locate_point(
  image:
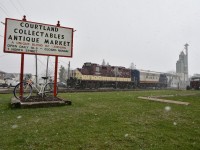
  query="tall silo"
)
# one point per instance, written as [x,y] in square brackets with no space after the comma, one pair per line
[182,67]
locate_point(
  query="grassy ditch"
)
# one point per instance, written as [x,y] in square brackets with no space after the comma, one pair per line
[104,120]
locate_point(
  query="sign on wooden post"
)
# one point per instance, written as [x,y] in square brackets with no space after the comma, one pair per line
[25,37]
[36,38]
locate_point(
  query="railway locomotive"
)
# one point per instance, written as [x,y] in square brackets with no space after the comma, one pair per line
[92,75]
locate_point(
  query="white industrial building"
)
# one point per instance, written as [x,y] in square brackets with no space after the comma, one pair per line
[173,80]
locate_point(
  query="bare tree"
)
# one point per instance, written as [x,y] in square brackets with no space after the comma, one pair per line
[62,74]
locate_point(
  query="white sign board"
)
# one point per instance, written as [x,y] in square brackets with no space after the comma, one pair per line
[37,38]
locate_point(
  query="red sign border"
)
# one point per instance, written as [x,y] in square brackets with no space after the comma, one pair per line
[6,51]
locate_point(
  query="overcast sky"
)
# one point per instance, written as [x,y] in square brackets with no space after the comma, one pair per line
[149,33]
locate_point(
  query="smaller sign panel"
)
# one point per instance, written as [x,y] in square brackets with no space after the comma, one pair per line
[37,38]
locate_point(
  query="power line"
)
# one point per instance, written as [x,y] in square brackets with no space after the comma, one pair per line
[15,7]
[41,62]
[4,11]
[21,6]
[3,6]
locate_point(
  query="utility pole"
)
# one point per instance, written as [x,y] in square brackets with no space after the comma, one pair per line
[47,67]
[36,73]
[68,72]
[186,73]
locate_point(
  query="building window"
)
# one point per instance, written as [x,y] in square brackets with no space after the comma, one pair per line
[97,69]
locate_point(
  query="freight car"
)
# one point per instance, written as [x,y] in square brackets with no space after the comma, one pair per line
[194,83]
[99,76]
[149,79]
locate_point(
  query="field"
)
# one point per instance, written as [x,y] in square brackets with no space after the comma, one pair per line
[104,120]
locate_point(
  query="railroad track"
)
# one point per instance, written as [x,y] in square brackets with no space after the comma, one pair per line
[92,90]
[65,90]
